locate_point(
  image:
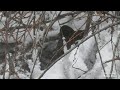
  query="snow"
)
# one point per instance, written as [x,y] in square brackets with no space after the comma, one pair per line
[36,71]
[55,72]
[69,60]
[82,54]
[78,62]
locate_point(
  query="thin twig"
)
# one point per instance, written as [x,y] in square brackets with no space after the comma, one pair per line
[99,54]
[114,52]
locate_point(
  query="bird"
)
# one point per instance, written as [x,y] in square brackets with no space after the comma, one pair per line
[51,47]
[69,33]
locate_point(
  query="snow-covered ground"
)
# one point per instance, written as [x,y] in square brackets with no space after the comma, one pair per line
[83,62]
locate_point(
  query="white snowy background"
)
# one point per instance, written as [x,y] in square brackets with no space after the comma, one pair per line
[74,65]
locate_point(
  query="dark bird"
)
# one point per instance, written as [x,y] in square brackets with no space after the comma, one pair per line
[51,47]
[70,35]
